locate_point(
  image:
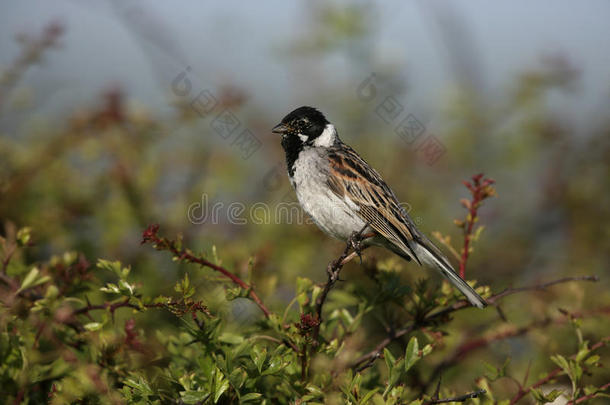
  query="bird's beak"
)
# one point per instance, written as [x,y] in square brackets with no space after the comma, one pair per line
[280,129]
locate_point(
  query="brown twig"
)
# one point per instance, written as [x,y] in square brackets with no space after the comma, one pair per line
[106,305]
[352,249]
[12,284]
[303,356]
[312,324]
[480,189]
[150,235]
[395,334]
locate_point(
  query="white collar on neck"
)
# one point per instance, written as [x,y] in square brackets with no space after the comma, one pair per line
[327,138]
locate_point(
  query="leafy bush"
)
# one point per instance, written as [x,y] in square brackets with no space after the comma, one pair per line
[57,345]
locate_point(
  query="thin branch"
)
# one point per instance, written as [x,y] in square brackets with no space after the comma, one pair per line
[510,291]
[461,398]
[591,395]
[150,236]
[9,282]
[352,249]
[393,335]
[7,259]
[31,53]
[106,305]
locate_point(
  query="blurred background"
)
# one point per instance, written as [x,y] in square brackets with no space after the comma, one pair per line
[118,114]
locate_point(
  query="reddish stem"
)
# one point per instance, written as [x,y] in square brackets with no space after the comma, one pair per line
[480,190]
[150,235]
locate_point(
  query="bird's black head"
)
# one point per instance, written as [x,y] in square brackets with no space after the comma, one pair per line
[304,123]
[304,127]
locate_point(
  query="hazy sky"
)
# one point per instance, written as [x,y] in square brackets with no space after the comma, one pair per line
[244,43]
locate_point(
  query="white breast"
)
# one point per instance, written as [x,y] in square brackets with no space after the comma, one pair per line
[335,216]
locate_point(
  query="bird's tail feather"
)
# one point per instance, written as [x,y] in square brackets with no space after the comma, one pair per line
[434,259]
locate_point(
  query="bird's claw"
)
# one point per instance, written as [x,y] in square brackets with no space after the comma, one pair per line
[355,241]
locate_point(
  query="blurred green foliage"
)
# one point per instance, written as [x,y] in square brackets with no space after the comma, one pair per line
[139,327]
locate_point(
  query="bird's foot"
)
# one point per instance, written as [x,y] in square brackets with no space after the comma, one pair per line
[355,242]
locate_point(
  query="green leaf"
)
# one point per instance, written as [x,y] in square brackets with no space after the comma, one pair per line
[593,360]
[125,286]
[221,387]
[365,399]
[53,292]
[92,326]
[315,293]
[233,293]
[582,352]
[230,338]
[427,349]
[111,289]
[184,287]
[314,390]
[32,279]
[347,318]
[491,371]
[576,372]
[251,396]
[275,365]
[24,236]
[389,359]
[545,398]
[553,395]
[355,381]
[561,362]
[192,397]
[396,373]
[258,357]
[114,267]
[141,386]
[571,368]
[303,285]
[412,353]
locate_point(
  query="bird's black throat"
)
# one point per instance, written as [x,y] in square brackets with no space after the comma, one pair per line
[292,146]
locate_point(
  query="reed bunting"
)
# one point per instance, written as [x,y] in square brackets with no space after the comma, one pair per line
[344,195]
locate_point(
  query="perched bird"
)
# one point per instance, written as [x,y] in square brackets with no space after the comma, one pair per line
[344,195]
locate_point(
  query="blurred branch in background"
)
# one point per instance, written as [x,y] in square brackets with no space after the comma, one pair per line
[32,50]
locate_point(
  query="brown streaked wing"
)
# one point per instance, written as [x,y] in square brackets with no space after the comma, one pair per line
[353,178]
